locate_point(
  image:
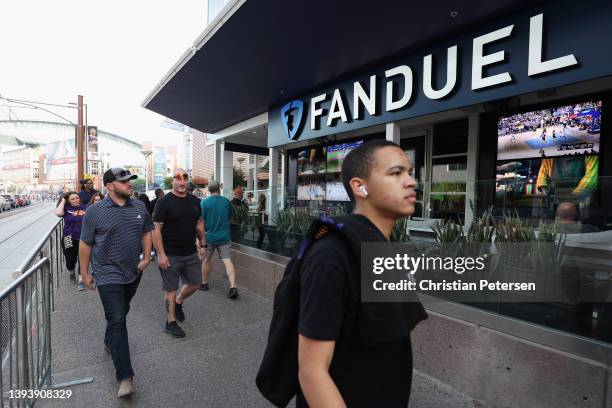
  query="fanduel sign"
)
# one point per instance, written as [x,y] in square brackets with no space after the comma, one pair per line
[538,51]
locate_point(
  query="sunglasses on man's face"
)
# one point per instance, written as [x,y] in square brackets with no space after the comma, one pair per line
[183,176]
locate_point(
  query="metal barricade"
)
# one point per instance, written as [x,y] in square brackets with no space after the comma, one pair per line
[25,316]
[26,345]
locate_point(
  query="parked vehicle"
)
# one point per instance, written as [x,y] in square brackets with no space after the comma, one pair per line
[11,200]
[5,205]
[26,199]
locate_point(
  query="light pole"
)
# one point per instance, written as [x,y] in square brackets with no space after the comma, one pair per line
[146,154]
[81,142]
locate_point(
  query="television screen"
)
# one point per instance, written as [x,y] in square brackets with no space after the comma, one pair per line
[337,153]
[335,191]
[568,130]
[311,161]
[538,186]
[311,191]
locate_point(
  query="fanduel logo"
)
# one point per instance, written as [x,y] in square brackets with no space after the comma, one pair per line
[291,118]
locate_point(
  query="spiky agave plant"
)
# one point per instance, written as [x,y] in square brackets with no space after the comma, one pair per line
[449,231]
[398,233]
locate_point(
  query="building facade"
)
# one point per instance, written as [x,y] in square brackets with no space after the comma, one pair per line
[502,109]
[43,155]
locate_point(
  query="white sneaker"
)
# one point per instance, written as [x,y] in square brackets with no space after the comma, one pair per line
[126,388]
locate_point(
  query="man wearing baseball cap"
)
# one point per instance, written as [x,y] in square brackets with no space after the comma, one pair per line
[114,230]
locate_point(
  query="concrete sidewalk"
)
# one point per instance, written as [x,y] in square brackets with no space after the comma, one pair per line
[214,366]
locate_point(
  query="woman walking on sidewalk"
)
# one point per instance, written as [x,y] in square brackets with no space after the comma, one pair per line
[95,198]
[70,209]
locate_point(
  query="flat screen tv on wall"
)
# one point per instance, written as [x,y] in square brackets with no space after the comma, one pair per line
[567,130]
[335,191]
[337,153]
[313,190]
[548,157]
[311,161]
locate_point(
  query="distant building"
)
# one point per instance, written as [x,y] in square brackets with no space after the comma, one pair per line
[40,155]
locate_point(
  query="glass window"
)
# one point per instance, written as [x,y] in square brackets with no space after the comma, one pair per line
[450,137]
[448,186]
[94,167]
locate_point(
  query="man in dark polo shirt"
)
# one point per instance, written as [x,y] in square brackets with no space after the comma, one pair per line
[177,224]
[113,234]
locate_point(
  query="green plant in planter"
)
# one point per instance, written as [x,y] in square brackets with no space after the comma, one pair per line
[513,229]
[239,222]
[300,221]
[282,221]
[482,228]
[398,233]
[240,214]
[449,231]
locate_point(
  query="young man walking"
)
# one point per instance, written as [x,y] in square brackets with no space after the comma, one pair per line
[216,214]
[349,358]
[177,224]
[113,233]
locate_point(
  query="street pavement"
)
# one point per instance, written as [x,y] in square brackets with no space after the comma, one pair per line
[214,366]
[20,231]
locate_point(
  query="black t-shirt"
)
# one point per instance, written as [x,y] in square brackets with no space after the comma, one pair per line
[367,375]
[180,216]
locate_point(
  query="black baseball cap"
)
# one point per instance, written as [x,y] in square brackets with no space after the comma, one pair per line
[118,174]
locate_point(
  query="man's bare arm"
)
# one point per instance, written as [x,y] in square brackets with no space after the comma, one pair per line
[84,258]
[162,259]
[314,358]
[200,232]
[146,251]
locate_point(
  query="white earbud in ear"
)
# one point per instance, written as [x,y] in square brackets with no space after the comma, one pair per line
[363,190]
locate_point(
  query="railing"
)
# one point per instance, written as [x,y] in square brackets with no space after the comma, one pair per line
[25,313]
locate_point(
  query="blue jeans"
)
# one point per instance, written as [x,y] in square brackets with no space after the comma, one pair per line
[116,302]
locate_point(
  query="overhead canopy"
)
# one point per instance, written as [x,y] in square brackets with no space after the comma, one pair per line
[269,51]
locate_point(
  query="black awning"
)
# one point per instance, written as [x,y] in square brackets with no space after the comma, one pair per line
[271,50]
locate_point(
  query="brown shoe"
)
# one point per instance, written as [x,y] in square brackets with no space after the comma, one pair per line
[126,388]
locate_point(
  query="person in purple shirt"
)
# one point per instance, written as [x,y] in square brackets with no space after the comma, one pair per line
[70,209]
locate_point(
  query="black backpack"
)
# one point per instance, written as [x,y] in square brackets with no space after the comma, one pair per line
[277,378]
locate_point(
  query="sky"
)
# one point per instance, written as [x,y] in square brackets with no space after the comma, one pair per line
[112,52]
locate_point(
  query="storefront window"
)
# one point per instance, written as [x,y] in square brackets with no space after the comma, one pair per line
[447,197]
[448,181]
[546,184]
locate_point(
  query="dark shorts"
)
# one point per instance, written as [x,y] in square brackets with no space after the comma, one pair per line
[185,267]
[223,250]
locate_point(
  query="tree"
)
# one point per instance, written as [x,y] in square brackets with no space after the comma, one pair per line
[168,183]
[239,180]
[139,185]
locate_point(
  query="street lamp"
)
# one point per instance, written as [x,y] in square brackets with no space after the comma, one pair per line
[146,154]
[86,136]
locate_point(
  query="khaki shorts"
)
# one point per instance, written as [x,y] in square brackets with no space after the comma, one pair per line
[223,250]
